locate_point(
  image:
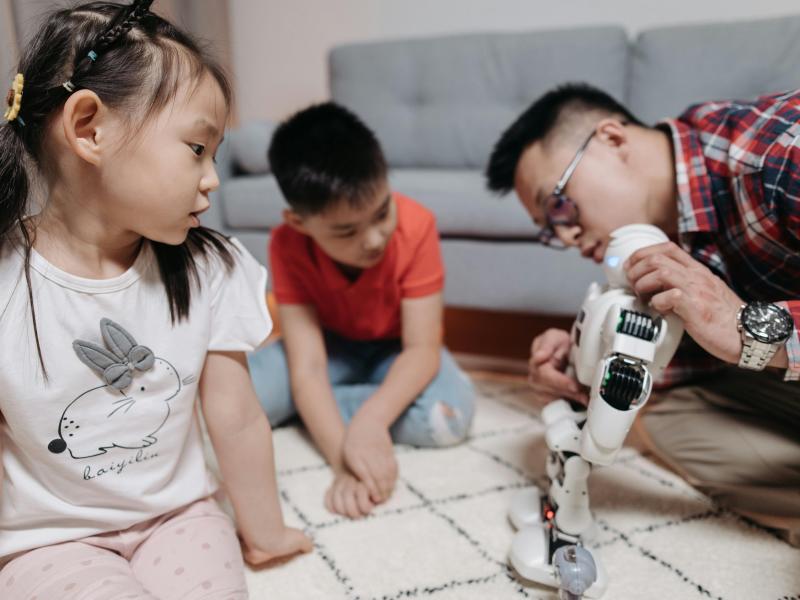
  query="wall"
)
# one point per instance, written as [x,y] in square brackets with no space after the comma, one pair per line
[279,47]
[8,42]
[207,19]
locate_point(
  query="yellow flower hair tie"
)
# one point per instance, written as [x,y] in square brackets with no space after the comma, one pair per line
[14,99]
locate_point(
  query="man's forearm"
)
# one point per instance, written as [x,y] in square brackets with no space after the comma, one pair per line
[317,407]
[412,371]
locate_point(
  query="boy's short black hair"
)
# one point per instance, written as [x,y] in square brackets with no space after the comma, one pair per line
[540,120]
[325,154]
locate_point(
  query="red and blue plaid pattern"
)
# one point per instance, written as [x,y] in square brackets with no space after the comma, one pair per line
[738,175]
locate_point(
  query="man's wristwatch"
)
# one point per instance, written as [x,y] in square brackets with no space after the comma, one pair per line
[765,327]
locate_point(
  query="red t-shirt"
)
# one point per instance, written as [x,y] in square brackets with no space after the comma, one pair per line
[369,307]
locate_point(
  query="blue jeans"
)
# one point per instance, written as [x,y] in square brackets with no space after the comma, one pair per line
[440,415]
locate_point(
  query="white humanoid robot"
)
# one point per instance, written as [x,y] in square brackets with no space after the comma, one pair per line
[618,345]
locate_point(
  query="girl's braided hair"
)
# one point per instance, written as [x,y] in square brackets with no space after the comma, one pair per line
[136,13]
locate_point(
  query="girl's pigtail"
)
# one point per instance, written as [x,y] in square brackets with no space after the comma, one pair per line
[14,187]
[14,183]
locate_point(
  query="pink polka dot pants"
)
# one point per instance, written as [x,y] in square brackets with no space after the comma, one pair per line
[192,553]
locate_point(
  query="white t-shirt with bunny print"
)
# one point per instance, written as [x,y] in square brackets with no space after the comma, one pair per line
[111,437]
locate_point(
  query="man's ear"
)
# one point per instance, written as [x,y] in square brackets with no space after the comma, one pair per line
[612,132]
[294,220]
[84,121]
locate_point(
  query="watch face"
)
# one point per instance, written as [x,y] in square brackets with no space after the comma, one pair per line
[767,322]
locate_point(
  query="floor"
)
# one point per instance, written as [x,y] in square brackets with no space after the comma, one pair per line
[445,534]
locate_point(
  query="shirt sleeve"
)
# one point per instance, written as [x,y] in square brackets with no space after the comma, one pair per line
[782,178]
[287,281]
[786,198]
[240,320]
[793,344]
[425,275]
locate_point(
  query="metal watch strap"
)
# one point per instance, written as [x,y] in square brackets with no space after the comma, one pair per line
[756,355]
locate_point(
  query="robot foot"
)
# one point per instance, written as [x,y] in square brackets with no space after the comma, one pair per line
[573,570]
[526,508]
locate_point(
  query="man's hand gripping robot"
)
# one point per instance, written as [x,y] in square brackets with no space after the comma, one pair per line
[619,345]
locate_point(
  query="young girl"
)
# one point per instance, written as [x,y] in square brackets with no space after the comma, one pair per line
[116,310]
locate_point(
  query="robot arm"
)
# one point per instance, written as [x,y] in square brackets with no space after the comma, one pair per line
[619,345]
[622,381]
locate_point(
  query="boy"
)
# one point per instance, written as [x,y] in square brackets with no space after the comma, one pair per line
[358,278]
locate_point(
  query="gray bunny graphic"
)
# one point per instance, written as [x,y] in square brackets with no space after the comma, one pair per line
[129,409]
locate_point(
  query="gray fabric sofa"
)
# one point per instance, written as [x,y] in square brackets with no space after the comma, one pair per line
[438,105]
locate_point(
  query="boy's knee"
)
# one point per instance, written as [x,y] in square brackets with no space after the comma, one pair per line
[449,425]
[442,415]
[449,421]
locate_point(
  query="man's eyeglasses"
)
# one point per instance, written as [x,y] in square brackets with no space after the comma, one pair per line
[559,209]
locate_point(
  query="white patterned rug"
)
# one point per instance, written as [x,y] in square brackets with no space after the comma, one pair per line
[444,535]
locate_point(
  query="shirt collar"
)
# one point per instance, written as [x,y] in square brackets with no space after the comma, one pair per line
[335,280]
[333,277]
[696,210]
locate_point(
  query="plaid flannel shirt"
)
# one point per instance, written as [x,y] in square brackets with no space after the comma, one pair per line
[738,176]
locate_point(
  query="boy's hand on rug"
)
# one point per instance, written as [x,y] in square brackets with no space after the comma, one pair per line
[289,543]
[368,452]
[348,496]
[547,366]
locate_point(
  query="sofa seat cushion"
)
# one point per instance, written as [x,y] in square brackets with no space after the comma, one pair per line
[462,204]
[459,199]
[252,202]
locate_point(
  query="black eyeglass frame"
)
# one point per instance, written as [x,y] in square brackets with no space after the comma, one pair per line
[547,235]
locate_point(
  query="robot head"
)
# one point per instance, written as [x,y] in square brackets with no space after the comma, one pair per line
[624,242]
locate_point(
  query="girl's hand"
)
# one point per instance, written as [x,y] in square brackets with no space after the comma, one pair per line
[287,544]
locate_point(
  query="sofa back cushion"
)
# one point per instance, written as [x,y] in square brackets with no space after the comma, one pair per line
[674,67]
[443,101]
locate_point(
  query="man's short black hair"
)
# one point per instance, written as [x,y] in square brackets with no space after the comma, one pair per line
[540,120]
[325,154]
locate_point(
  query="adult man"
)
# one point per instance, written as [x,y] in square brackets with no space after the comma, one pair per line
[723,181]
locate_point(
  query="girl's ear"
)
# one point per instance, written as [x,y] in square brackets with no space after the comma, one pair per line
[85,121]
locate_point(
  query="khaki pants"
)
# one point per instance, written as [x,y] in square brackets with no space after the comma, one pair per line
[735,437]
